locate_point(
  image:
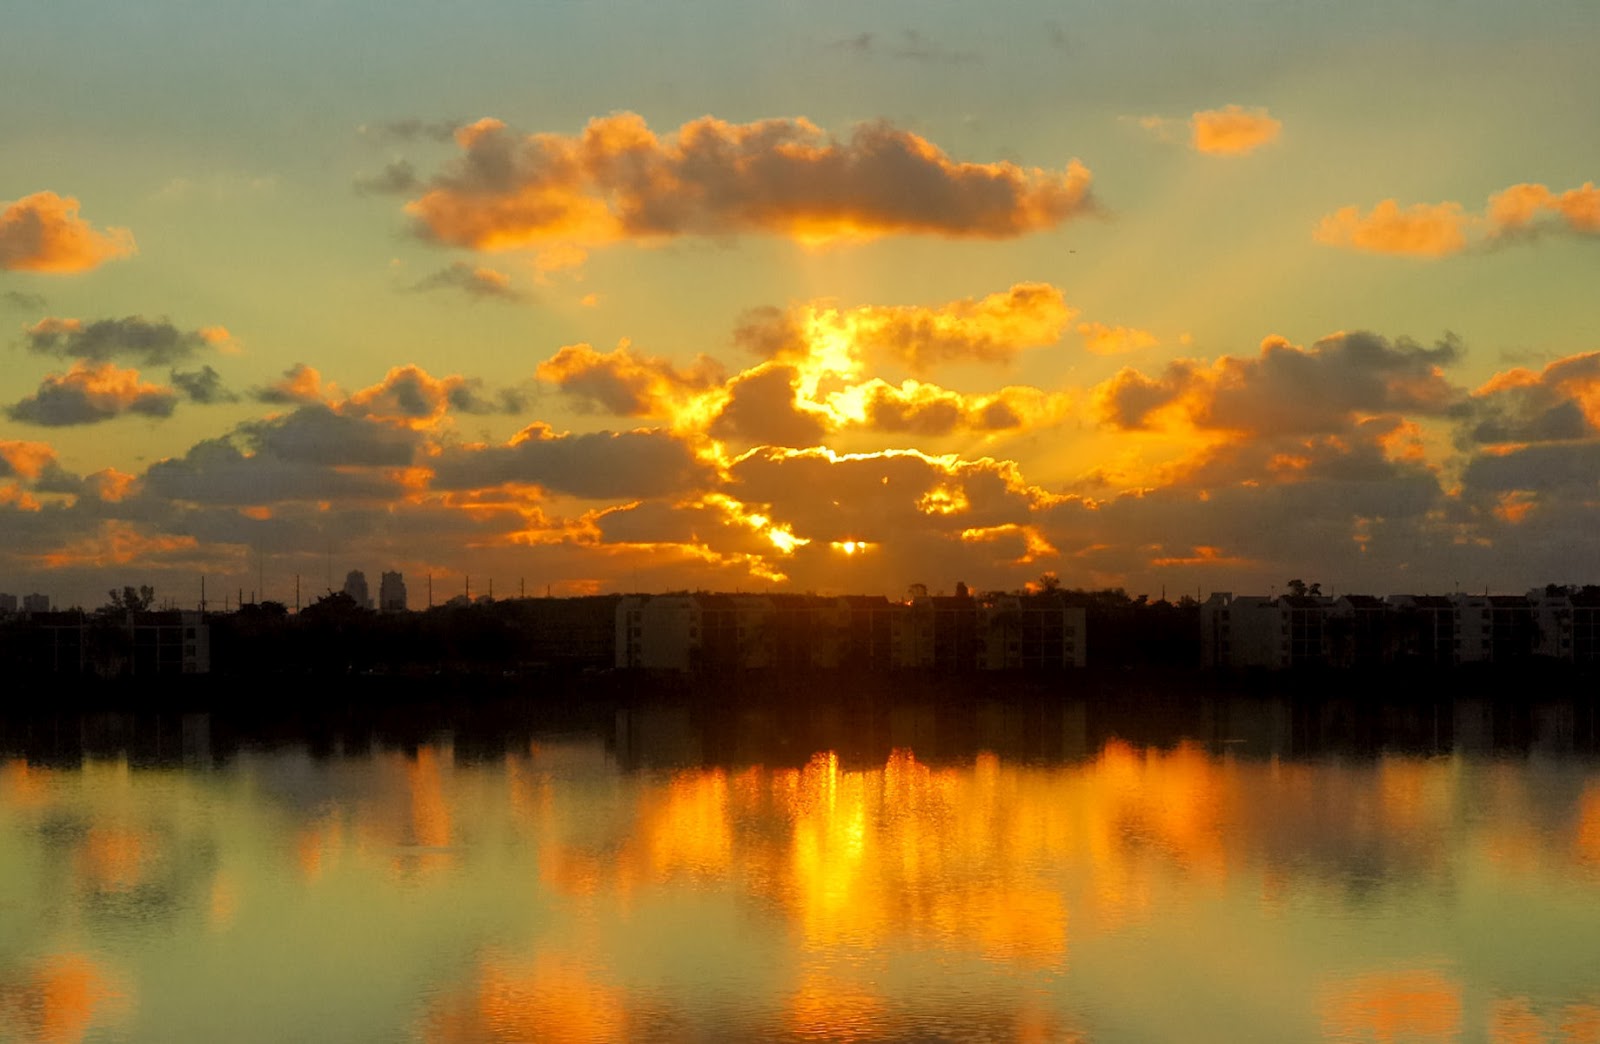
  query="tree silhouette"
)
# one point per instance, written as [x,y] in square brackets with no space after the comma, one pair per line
[130,599]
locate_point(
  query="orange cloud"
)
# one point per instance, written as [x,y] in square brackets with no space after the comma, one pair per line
[1559,403]
[1421,230]
[619,180]
[43,233]
[407,395]
[25,459]
[1232,130]
[299,384]
[116,543]
[1112,340]
[1518,207]
[1201,555]
[990,329]
[1438,229]
[91,392]
[626,383]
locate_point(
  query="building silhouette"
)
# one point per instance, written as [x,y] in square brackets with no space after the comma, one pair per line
[392,593]
[355,585]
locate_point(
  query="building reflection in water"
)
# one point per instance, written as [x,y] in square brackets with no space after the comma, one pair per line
[1269,870]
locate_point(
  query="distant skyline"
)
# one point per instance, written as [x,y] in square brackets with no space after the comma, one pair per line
[841,298]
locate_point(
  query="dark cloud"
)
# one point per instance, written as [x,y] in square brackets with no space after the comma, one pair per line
[90,393]
[762,411]
[410,129]
[1559,403]
[601,465]
[472,280]
[1287,389]
[909,45]
[469,397]
[300,384]
[619,180]
[315,434]
[216,471]
[147,342]
[395,178]
[625,383]
[22,301]
[202,386]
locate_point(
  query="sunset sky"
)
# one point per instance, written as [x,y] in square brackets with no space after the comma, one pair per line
[834,297]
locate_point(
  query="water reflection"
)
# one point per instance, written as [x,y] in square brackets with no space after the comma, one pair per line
[1246,869]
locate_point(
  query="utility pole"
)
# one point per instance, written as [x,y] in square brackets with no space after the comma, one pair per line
[430,590]
[297,594]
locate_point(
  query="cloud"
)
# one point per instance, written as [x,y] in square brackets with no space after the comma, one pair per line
[395,179]
[202,386]
[1560,403]
[300,384]
[26,460]
[991,329]
[472,280]
[1287,389]
[1232,130]
[762,409]
[1421,230]
[625,383]
[600,465]
[1521,211]
[150,343]
[410,129]
[618,180]
[1529,207]
[43,233]
[318,435]
[89,393]
[287,464]
[910,45]
[22,301]
[1114,340]
[411,396]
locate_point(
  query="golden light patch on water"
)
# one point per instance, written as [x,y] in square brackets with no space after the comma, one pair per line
[1413,1005]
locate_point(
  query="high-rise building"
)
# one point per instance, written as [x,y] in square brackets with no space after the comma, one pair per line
[36,603]
[392,593]
[8,603]
[355,585]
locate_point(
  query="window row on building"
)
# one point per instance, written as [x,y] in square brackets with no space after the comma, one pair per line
[689,632]
[1434,630]
[108,645]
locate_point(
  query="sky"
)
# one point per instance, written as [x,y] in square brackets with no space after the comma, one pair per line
[593,297]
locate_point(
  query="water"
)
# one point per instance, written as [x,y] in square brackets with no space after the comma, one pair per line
[1214,870]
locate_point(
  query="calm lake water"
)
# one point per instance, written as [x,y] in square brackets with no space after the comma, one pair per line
[1201,870]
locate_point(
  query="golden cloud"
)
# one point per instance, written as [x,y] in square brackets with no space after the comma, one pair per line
[1232,130]
[1520,206]
[43,233]
[990,329]
[25,459]
[1421,230]
[116,543]
[91,392]
[619,180]
[1438,229]
[1114,340]
[628,384]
